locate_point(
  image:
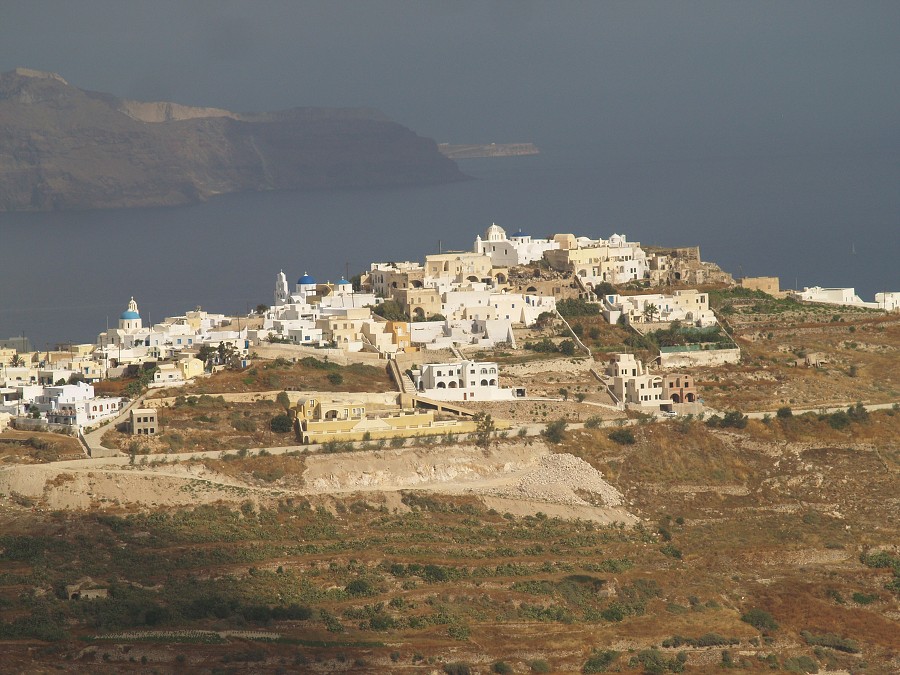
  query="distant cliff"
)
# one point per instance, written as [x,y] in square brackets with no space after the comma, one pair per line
[488,150]
[65,148]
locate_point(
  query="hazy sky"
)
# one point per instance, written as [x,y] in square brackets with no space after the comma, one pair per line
[714,76]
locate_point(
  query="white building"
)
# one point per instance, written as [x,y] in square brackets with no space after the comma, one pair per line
[519,249]
[462,381]
[889,302]
[615,260]
[831,296]
[630,385]
[690,307]
[76,405]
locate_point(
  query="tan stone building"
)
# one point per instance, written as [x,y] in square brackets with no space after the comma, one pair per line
[768,285]
[679,388]
[318,421]
[464,266]
[144,421]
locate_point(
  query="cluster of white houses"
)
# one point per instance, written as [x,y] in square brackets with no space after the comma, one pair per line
[689,307]
[452,299]
[888,302]
[56,388]
[64,405]
[465,297]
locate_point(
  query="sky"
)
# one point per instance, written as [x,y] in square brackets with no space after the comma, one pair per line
[706,77]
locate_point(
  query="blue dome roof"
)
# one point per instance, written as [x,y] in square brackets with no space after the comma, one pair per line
[344,282]
[305,279]
[521,234]
[129,315]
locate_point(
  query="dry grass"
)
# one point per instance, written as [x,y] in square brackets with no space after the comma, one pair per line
[280,470]
[211,424]
[29,447]
[303,375]
[862,353]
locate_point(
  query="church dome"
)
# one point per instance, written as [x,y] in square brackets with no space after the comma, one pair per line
[520,235]
[495,233]
[130,314]
[344,282]
[305,280]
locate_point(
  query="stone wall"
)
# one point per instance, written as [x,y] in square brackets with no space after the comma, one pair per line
[709,357]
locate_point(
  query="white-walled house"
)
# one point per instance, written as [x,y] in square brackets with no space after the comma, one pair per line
[519,249]
[889,302]
[615,260]
[831,296]
[76,405]
[687,306]
[462,381]
[630,385]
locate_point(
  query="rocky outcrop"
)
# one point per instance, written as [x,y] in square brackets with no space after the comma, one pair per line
[65,148]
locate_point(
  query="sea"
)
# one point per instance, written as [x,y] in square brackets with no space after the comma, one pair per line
[810,218]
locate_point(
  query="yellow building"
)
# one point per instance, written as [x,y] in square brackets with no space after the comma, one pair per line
[420,303]
[317,421]
[190,368]
[459,266]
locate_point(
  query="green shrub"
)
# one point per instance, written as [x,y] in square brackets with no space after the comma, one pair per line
[457,669]
[502,668]
[243,424]
[593,422]
[335,379]
[600,661]
[555,432]
[830,640]
[760,619]
[577,307]
[800,664]
[622,437]
[733,419]
[544,346]
[839,420]
[858,413]
[784,412]
[360,587]
[281,424]
[539,666]
[671,550]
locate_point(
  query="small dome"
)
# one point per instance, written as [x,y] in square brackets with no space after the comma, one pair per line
[495,233]
[305,280]
[344,282]
[131,313]
[520,234]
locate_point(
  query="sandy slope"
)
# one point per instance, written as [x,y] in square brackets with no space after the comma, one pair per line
[513,477]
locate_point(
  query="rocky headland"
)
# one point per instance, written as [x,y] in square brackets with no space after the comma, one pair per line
[62,147]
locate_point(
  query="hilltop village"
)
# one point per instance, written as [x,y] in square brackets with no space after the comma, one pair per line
[440,320]
[561,454]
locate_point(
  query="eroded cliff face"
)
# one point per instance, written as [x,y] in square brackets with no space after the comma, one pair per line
[65,148]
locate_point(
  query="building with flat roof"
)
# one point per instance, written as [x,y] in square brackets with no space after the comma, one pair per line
[144,422]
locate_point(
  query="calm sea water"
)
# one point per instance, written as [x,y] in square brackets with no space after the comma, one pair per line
[812,219]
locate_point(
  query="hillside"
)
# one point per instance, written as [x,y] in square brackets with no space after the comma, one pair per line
[66,148]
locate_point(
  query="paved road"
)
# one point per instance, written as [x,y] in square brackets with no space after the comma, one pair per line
[531,430]
[824,410]
[93,438]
